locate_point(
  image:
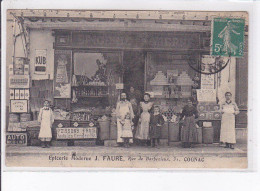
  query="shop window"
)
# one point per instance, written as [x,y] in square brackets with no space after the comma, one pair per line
[170,80]
[94,81]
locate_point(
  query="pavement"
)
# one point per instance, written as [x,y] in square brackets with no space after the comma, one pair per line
[174,156]
[200,149]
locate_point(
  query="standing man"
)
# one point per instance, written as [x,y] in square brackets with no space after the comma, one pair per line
[123,107]
[228,131]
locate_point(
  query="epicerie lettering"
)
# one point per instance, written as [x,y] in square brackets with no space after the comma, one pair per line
[57,158]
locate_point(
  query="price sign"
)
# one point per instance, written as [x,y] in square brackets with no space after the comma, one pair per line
[19,106]
[77,133]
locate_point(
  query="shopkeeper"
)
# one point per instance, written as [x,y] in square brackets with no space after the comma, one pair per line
[229,110]
[122,108]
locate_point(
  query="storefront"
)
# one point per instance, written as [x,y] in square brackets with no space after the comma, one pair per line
[83,70]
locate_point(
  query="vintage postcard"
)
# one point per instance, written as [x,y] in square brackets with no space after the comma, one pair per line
[126,89]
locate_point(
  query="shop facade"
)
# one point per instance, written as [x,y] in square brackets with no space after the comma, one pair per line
[82,64]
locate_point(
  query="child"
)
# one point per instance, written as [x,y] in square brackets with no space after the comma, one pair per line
[46,118]
[127,133]
[156,123]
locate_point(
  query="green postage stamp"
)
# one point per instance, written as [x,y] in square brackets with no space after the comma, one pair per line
[228,37]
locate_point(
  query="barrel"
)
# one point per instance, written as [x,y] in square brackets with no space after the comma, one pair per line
[174,134]
[25,117]
[113,130]
[104,126]
[207,135]
[13,118]
[165,130]
[199,134]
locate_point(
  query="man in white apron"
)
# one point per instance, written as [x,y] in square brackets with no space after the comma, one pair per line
[123,107]
[228,132]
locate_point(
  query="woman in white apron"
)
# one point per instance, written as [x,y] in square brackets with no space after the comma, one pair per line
[228,131]
[46,118]
[123,107]
[142,132]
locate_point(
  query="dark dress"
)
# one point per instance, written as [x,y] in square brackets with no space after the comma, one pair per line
[189,131]
[155,130]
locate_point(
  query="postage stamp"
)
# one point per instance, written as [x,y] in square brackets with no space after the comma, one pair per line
[126,89]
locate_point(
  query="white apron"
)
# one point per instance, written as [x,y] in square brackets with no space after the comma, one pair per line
[46,120]
[228,131]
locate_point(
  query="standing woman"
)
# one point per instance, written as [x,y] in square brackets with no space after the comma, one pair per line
[189,132]
[229,110]
[142,132]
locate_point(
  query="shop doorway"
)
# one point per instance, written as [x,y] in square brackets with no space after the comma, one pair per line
[134,64]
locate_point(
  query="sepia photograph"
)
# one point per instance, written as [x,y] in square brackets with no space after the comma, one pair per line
[117,89]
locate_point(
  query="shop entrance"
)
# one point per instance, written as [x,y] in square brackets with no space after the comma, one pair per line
[134,62]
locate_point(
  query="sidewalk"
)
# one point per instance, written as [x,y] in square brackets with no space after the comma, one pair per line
[199,150]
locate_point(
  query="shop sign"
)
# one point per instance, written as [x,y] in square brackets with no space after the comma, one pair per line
[16,139]
[19,81]
[40,65]
[77,133]
[227,37]
[18,106]
[206,95]
[119,86]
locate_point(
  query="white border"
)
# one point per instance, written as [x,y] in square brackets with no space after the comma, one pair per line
[213,179]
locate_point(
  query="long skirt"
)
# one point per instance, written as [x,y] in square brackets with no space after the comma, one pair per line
[228,131]
[189,131]
[142,132]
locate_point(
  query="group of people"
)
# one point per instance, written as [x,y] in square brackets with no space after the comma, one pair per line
[143,121]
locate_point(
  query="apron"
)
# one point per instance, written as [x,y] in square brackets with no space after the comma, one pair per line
[228,131]
[142,132]
[45,131]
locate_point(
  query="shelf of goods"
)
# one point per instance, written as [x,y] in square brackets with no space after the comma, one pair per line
[178,87]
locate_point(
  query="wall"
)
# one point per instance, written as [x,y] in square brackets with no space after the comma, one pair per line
[39,39]
[228,81]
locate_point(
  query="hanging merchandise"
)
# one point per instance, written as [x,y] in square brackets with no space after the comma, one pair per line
[62,76]
[11,93]
[19,65]
[16,94]
[26,94]
[62,71]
